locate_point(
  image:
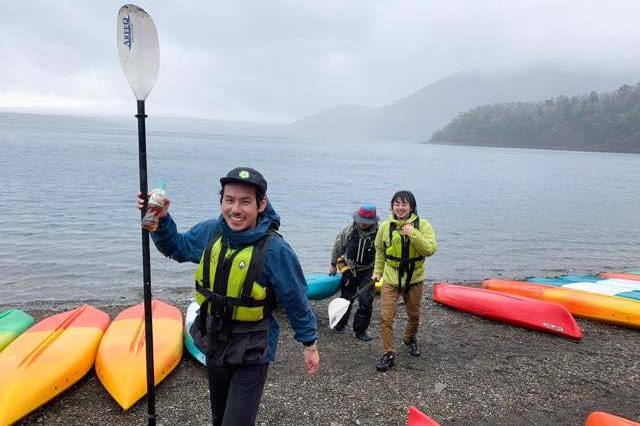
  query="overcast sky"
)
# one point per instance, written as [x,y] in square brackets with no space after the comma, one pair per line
[270,60]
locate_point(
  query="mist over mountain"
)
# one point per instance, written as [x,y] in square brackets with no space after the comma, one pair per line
[417,116]
[413,118]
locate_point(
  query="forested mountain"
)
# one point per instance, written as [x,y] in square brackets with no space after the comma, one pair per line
[593,122]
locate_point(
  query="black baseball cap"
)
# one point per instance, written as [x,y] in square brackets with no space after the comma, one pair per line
[245,175]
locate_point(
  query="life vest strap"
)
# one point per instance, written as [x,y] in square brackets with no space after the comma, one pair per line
[405,263]
[243,301]
[255,271]
[411,259]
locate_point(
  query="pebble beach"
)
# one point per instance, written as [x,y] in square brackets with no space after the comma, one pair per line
[472,372]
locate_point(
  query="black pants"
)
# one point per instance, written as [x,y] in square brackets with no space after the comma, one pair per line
[235,393]
[349,286]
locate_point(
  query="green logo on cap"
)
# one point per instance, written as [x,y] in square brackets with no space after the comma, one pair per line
[244,174]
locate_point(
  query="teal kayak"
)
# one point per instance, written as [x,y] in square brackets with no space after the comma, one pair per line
[321,286]
[192,312]
[12,323]
[592,284]
[564,279]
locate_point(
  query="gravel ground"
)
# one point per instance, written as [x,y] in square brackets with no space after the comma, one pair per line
[472,371]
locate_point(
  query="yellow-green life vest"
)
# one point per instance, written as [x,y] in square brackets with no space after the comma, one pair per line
[401,254]
[233,278]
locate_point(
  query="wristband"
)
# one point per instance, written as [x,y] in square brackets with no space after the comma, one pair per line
[311,348]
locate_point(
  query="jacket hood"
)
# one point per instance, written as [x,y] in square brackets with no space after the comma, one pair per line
[400,222]
[269,219]
[365,232]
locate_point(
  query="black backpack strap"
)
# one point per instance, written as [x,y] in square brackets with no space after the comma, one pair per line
[412,260]
[406,264]
[253,274]
[205,287]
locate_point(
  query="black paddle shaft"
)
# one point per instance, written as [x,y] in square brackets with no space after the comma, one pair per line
[362,290]
[146,266]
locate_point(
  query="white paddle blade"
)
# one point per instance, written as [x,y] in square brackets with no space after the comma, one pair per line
[337,308]
[138,49]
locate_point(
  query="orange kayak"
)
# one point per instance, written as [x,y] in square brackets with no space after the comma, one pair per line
[47,359]
[121,360]
[598,418]
[621,275]
[597,307]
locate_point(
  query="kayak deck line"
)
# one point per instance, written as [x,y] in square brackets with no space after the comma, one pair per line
[60,328]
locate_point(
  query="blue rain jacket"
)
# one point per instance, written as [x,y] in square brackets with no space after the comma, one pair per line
[281,271]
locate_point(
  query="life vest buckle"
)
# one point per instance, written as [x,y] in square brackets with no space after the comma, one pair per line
[220,305]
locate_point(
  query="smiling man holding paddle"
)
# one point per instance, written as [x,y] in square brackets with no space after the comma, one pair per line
[244,269]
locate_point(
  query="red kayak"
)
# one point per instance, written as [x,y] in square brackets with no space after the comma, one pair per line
[516,310]
[418,418]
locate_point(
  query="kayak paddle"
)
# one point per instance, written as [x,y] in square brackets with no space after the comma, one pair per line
[339,306]
[139,54]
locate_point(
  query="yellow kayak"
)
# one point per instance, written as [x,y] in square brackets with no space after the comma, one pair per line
[597,307]
[47,359]
[121,360]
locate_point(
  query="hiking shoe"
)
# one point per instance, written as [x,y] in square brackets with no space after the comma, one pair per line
[363,335]
[414,347]
[387,361]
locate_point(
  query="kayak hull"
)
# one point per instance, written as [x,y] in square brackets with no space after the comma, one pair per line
[599,418]
[520,311]
[621,275]
[563,279]
[48,359]
[321,286]
[12,324]
[628,289]
[418,418]
[192,312]
[608,289]
[121,360]
[609,309]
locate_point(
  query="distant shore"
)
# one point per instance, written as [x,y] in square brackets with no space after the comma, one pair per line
[472,371]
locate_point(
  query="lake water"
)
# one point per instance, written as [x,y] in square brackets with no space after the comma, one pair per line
[70,230]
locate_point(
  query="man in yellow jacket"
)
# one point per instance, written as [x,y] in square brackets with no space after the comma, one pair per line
[402,243]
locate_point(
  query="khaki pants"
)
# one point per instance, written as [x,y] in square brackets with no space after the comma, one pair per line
[388,299]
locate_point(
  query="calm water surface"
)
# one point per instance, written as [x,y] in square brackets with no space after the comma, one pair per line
[69,227]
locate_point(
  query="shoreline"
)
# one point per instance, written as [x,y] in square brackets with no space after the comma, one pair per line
[472,371]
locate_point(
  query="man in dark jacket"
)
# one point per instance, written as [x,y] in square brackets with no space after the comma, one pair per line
[245,269]
[354,254]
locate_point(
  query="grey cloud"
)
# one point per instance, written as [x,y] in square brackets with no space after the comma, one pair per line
[281,60]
